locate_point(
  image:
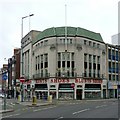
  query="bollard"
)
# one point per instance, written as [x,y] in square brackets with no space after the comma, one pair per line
[19,98]
[34,101]
[50,98]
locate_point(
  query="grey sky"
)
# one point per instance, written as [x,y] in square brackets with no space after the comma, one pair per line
[95,15]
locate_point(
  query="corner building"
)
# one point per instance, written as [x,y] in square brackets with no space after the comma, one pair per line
[69,63]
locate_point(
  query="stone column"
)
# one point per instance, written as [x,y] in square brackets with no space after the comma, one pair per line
[101,91]
[56,91]
[83,91]
[75,92]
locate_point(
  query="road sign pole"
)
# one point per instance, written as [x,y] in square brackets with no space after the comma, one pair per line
[4,95]
[22,92]
[22,79]
[4,78]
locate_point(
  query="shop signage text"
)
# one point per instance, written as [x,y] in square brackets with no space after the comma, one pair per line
[59,81]
[79,80]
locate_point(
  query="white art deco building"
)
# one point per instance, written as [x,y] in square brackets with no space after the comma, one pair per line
[65,62]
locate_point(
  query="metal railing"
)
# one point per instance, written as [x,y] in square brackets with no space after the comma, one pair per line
[69,75]
[93,75]
[66,74]
[41,75]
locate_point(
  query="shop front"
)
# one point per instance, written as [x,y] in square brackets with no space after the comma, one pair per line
[78,88]
[112,89]
[92,91]
[41,91]
[66,91]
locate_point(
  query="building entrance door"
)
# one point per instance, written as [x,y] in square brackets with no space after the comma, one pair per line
[115,93]
[104,93]
[79,94]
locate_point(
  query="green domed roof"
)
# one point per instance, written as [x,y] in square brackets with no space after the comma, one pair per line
[71,32]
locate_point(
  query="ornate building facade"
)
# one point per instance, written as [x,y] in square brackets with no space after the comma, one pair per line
[65,62]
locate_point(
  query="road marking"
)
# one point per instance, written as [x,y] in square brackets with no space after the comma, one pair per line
[59,118]
[80,111]
[16,114]
[100,106]
[44,109]
[37,110]
[7,116]
[10,115]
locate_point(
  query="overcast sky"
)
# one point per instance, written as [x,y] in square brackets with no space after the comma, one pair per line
[96,15]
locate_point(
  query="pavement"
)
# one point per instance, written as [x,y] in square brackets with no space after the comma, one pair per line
[43,103]
[28,104]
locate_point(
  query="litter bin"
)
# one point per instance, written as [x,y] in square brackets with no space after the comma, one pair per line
[34,100]
[50,98]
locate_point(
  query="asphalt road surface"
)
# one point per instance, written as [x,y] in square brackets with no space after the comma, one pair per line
[69,109]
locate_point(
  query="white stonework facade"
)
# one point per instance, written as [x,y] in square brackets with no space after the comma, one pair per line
[66,67]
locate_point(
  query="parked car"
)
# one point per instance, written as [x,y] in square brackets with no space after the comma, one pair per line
[2,95]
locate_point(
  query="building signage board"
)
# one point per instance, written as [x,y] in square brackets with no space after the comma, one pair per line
[41,81]
[112,85]
[77,80]
[80,80]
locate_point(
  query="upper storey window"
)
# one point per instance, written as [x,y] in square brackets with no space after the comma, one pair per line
[98,45]
[46,42]
[85,42]
[42,43]
[90,43]
[71,41]
[63,41]
[94,44]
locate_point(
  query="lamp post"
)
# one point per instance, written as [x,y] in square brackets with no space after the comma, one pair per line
[22,63]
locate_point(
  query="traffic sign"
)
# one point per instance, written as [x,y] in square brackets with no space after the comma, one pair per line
[4,77]
[22,79]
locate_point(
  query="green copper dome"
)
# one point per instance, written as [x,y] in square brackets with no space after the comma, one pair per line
[71,32]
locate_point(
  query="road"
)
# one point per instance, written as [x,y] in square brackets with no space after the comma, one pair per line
[69,109]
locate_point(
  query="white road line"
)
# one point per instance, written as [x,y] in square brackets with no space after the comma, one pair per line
[80,111]
[16,114]
[7,116]
[44,108]
[100,106]
[10,115]
[37,110]
[59,118]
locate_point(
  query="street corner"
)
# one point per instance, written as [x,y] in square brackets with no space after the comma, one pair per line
[6,111]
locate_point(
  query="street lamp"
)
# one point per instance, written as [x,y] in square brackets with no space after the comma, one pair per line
[22,74]
[22,24]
